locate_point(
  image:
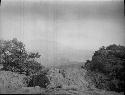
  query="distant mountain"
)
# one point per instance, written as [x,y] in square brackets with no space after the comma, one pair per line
[74,64]
[54,53]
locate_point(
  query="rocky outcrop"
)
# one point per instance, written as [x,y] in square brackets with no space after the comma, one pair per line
[10,81]
[72,81]
[70,78]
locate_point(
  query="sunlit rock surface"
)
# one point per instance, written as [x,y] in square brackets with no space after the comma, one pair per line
[71,78]
[10,81]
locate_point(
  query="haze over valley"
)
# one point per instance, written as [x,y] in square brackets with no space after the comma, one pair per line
[63,31]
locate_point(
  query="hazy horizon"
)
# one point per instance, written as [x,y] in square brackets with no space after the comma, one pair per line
[69,30]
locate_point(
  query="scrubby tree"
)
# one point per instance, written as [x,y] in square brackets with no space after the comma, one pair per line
[109,62]
[15,58]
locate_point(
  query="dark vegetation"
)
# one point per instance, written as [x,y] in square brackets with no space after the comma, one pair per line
[15,58]
[106,69]
[39,80]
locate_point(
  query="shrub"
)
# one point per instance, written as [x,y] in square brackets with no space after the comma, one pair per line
[39,80]
[15,58]
[108,62]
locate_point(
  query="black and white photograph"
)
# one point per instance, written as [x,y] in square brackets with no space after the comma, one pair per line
[69,47]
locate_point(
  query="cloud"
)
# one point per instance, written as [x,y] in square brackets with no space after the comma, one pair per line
[65,10]
[80,25]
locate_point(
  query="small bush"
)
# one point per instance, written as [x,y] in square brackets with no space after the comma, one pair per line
[39,80]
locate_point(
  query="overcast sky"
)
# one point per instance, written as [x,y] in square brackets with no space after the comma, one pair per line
[77,24]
